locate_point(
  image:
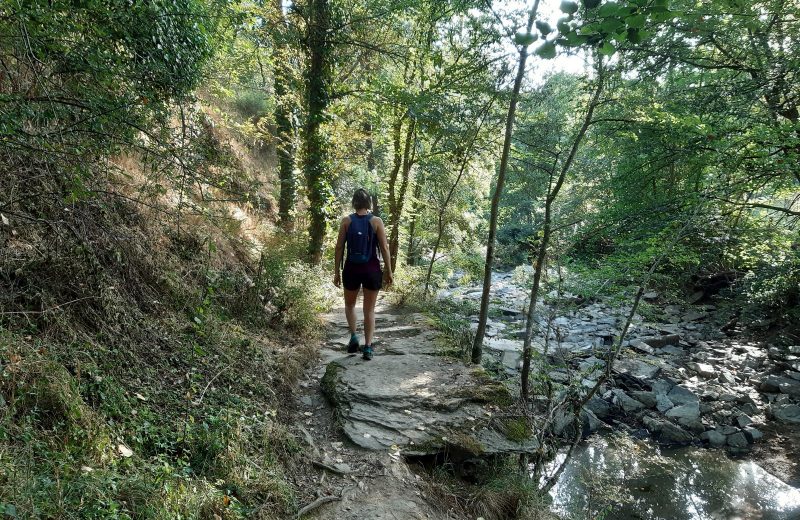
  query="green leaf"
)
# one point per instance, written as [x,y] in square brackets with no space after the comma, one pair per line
[612,25]
[636,22]
[563,26]
[610,9]
[569,7]
[525,39]
[544,27]
[547,50]
[591,4]
[607,49]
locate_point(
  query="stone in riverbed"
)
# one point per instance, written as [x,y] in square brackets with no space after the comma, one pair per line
[787,413]
[636,369]
[600,407]
[661,341]
[744,420]
[703,369]
[752,434]
[645,397]
[785,385]
[737,440]
[685,412]
[681,395]
[714,438]
[666,432]
[663,403]
[626,402]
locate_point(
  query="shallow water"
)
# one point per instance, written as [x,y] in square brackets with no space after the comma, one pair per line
[616,477]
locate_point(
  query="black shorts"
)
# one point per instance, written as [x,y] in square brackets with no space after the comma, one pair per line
[371,281]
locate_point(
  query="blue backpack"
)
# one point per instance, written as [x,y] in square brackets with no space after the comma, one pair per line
[360,241]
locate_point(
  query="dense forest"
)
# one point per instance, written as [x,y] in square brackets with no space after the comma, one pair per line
[174,174]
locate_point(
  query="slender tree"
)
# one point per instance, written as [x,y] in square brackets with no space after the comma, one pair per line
[526,40]
[557,177]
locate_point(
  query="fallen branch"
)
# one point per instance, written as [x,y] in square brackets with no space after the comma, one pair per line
[327,467]
[316,503]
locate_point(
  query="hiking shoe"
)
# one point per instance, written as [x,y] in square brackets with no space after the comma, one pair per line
[367,352]
[352,347]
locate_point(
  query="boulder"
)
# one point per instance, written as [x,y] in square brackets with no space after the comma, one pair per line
[666,432]
[752,434]
[714,438]
[626,402]
[600,407]
[663,403]
[787,413]
[645,397]
[662,386]
[744,420]
[685,412]
[661,341]
[738,440]
[779,384]
[681,395]
[636,369]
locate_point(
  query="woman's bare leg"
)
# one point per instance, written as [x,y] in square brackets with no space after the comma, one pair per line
[350,298]
[370,297]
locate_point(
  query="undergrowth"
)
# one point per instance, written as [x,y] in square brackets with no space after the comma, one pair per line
[145,362]
[498,491]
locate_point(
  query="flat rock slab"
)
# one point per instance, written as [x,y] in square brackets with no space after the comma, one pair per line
[637,369]
[418,402]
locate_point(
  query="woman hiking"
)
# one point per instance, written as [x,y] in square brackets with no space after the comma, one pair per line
[363,233]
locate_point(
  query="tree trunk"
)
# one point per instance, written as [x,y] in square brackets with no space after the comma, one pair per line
[541,256]
[286,149]
[369,148]
[477,347]
[412,252]
[318,79]
[403,161]
[284,128]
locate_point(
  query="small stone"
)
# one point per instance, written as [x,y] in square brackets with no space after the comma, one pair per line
[704,369]
[737,440]
[651,295]
[753,434]
[744,420]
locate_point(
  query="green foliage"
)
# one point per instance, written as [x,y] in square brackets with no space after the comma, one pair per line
[99,70]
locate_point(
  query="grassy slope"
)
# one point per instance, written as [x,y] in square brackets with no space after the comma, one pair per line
[143,357]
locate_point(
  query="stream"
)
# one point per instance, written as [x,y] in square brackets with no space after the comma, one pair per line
[633,479]
[681,419]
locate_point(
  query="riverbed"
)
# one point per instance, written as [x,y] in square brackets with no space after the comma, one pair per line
[617,477]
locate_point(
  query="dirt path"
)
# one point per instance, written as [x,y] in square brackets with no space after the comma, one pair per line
[349,481]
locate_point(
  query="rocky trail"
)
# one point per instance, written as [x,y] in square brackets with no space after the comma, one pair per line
[679,381]
[351,481]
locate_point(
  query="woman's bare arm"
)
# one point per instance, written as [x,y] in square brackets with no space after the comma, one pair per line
[340,251]
[380,231]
